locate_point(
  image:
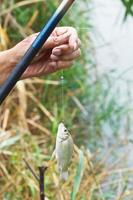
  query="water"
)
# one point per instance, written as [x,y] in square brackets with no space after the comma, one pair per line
[112,37]
[113,42]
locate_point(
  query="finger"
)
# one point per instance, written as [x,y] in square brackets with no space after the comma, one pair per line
[57,51]
[52,42]
[79,42]
[64,36]
[71,56]
[61,30]
[62,49]
[56,41]
[54,66]
[73,40]
[54,58]
[64,64]
[70,46]
[67,57]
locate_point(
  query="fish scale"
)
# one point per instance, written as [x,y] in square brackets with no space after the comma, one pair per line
[63,151]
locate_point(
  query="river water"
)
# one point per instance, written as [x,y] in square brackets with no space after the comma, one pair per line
[113,43]
[112,38]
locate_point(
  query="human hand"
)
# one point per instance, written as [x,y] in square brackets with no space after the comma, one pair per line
[59,52]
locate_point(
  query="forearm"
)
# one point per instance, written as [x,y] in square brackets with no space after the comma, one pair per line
[6,63]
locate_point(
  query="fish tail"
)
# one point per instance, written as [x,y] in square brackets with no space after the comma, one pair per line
[64,176]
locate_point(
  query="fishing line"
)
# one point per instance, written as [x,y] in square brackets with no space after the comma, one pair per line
[62,96]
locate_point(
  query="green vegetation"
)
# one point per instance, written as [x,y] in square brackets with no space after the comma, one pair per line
[30,116]
[128,4]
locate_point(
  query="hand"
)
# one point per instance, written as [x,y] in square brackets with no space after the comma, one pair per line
[59,52]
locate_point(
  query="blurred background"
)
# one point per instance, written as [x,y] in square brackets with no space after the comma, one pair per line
[97,104]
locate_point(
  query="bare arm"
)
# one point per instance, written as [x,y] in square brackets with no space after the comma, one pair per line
[6,62]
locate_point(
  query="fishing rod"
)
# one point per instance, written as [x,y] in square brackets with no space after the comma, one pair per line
[37,44]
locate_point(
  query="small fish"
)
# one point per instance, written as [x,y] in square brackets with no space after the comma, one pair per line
[63,151]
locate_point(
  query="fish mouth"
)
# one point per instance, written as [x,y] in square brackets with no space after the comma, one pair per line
[64,137]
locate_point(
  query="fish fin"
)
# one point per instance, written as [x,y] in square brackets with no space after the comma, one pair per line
[64,176]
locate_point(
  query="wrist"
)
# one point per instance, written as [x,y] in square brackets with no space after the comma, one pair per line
[7,61]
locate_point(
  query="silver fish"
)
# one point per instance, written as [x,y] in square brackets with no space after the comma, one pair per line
[63,151]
